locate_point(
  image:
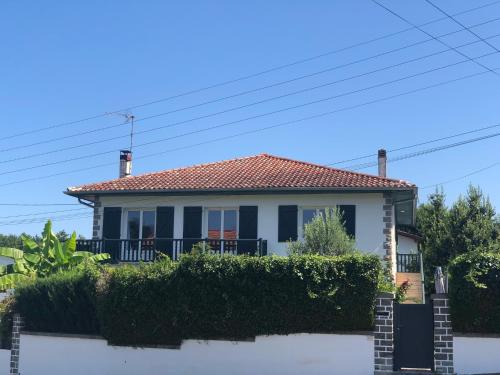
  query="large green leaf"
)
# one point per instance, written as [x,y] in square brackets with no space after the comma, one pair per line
[59,253]
[12,253]
[100,257]
[32,258]
[11,280]
[70,245]
[29,245]
[20,267]
[3,269]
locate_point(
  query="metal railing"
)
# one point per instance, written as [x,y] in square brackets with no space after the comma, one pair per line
[147,250]
[408,263]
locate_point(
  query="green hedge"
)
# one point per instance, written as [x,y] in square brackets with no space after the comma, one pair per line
[204,297]
[474,291]
[64,302]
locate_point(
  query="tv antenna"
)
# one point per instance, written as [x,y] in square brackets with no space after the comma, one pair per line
[129,118]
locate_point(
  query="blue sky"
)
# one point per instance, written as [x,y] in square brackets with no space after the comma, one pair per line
[64,61]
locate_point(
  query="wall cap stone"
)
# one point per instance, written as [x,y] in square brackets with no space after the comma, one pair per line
[386,295]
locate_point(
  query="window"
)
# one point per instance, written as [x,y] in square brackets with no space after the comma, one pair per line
[140,224]
[222,224]
[348,213]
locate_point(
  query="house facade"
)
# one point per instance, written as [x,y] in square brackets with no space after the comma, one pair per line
[246,205]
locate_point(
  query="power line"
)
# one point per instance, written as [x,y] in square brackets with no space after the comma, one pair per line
[227,123]
[435,38]
[50,140]
[462,177]
[42,213]
[427,151]
[462,25]
[260,129]
[418,144]
[246,77]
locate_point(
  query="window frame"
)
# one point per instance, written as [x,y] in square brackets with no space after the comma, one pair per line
[222,209]
[124,231]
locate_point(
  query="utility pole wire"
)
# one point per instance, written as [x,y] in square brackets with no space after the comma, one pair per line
[260,129]
[435,38]
[242,78]
[462,25]
[276,84]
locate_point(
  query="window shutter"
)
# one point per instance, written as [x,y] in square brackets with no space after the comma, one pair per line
[111,230]
[191,227]
[287,223]
[248,229]
[348,212]
[164,229]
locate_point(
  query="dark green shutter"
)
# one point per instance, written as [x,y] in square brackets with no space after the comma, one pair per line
[248,229]
[287,223]
[111,228]
[192,226]
[348,212]
[164,229]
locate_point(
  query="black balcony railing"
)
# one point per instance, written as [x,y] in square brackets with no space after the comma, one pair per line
[125,250]
[408,263]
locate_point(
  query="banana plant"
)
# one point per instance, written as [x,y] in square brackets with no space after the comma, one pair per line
[44,258]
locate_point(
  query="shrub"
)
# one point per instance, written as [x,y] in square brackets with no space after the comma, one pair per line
[474,290]
[6,315]
[205,296]
[325,235]
[63,302]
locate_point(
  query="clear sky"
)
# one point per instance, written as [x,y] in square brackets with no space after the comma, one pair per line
[65,61]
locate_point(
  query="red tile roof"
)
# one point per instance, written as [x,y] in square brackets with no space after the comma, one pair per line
[259,172]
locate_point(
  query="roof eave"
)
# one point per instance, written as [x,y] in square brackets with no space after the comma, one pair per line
[76,193]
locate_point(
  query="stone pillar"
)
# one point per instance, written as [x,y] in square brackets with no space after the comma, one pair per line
[443,335]
[17,324]
[96,228]
[389,233]
[384,334]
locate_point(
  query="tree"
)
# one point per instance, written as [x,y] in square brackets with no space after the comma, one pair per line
[325,235]
[472,223]
[433,223]
[42,258]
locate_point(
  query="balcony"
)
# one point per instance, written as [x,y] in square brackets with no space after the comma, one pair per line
[147,250]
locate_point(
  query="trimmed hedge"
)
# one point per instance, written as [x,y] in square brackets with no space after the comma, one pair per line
[207,297]
[474,291]
[64,302]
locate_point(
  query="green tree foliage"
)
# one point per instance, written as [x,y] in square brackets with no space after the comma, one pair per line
[40,259]
[468,226]
[324,235]
[472,223]
[433,224]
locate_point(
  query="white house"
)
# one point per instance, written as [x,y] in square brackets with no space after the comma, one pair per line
[253,204]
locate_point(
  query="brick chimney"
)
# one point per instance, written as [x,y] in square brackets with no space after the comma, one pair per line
[382,163]
[125,163]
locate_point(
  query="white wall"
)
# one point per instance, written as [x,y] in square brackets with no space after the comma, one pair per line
[476,355]
[369,213]
[294,354]
[4,361]
[407,245]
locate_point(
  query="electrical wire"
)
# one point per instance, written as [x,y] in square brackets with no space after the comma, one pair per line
[245,77]
[86,132]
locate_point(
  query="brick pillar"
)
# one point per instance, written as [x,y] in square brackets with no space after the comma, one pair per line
[443,335]
[389,233]
[17,324]
[384,335]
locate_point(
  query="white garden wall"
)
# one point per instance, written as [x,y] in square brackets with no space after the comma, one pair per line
[300,354]
[369,212]
[476,355]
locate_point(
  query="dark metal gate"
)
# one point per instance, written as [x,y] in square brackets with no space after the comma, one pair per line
[413,337]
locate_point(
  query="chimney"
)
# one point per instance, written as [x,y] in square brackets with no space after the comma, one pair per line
[125,163]
[382,163]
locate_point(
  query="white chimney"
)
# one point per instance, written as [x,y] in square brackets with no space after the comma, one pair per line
[125,163]
[382,163]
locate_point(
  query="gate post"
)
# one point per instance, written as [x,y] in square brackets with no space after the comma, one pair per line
[384,334]
[17,324]
[443,335]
